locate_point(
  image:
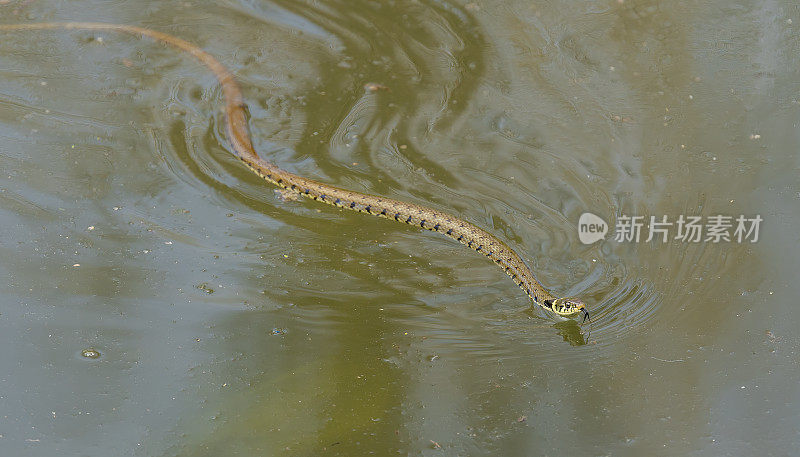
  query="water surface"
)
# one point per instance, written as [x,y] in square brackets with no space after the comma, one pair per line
[231,321]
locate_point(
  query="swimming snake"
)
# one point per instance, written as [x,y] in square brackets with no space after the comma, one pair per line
[238,134]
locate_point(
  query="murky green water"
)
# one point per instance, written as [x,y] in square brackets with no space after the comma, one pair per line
[160,299]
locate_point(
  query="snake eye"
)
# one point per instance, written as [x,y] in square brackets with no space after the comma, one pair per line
[569,307]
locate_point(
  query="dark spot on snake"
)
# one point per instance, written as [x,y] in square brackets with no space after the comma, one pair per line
[307,191]
[397,216]
[322,197]
[383,213]
[460,237]
[293,187]
[352,204]
[436,227]
[549,303]
[408,221]
[450,232]
[422,223]
[368,208]
[338,200]
[469,245]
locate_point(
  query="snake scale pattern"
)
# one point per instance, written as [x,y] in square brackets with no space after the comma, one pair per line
[238,134]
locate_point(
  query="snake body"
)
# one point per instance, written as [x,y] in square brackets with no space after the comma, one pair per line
[238,134]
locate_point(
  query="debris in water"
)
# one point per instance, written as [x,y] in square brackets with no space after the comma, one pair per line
[90,353]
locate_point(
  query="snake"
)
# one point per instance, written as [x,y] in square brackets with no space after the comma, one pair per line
[238,134]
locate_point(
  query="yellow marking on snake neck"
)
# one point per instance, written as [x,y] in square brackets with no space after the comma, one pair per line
[239,136]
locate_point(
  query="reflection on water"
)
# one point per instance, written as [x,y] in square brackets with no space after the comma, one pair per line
[131,232]
[571,332]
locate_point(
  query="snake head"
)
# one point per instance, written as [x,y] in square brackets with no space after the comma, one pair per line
[568,307]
